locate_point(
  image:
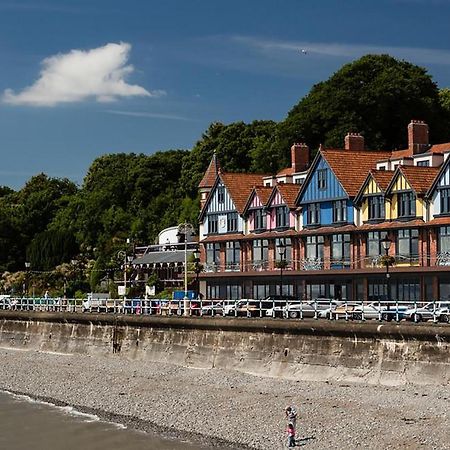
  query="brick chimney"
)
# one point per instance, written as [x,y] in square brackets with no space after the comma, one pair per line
[418,136]
[354,141]
[299,157]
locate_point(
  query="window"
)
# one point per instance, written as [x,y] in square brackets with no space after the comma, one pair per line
[376,207]
[377,290]
[213,220]
[313,214]
[232,222]
[233,254]
[213,253]
[314,247]
[374,246]
[299,181]
[322,179]
[406,204]
[282,216]
[260,218]
[425,163]
[288,254]
[340,211]
[408,244]
[406,290]
[444,239]
[260,250]
[234,291]
[213,291]
[340,250]
[221,194]
[445,201]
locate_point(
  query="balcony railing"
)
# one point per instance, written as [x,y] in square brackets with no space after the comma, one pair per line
[316,264]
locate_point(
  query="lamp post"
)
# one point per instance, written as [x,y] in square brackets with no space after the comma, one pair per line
[197,268]
[386,243]
[185,229]
[27,276]
[282,252]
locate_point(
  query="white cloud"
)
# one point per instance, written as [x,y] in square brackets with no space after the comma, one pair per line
[79,75]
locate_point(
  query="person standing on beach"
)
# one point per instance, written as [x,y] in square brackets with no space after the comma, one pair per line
[291,415]
[291,435]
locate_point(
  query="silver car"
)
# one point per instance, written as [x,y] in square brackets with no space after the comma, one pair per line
[427,312]
[311,308]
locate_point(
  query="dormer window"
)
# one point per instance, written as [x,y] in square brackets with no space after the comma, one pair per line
[376,207]
[282,216]
[424,163]
[406,204]
[260,218]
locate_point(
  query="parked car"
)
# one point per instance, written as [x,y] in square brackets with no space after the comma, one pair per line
[394,312]
[370,311]
[249,308]
[343,310]
[311,308]
[215,309]
[443,314]
[276,304]
[427,312]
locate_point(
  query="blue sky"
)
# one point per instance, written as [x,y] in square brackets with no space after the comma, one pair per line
[83,78]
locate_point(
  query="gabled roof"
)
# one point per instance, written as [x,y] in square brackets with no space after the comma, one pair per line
[419,178]
[351,167]
[209,178]
[288,192]
[240,185]
[381,177]
[263,192]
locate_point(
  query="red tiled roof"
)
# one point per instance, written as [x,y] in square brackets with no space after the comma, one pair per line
[382,177]
[287,171]
[351,167]
[289,192]
[209,178]
[440,148]
[263,192]
[272,234]
[240,185]
[420,178]
[398,154]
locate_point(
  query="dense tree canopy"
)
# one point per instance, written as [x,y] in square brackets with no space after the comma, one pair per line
[376,95]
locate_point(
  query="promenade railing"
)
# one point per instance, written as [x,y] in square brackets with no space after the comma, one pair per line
[319,308]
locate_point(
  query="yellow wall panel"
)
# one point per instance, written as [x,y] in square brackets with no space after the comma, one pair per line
[365,210]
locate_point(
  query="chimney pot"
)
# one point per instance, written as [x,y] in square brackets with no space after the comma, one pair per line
[354,141]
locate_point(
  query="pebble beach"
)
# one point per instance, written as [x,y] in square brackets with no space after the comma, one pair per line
[230,410]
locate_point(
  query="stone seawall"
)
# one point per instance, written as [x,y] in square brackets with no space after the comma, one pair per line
[374,353]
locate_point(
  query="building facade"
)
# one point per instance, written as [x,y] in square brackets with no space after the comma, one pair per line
[315,229]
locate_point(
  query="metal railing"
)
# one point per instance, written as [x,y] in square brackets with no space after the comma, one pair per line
[320,308]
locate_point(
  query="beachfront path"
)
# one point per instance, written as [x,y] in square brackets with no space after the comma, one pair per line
[239,408]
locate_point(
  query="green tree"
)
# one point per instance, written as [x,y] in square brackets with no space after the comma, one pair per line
[376,95]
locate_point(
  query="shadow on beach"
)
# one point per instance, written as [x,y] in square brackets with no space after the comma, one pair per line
[304,441]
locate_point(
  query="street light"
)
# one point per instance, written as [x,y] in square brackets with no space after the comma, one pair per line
[198,269]
[282,252]
[185,229]
[27,268]
[386,243]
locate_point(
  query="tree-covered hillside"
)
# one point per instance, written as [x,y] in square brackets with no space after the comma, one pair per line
[135,195]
